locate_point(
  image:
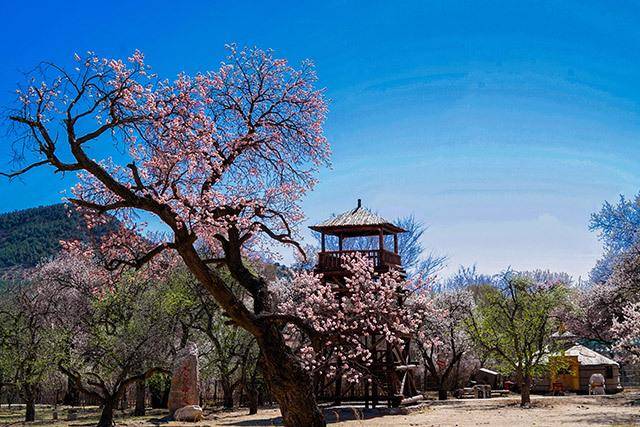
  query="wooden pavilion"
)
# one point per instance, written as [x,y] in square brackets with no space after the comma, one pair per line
[392,368]
[357,223]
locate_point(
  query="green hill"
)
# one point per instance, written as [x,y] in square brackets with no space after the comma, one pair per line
[29,235]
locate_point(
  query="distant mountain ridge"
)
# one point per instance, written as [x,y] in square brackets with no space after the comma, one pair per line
[31,235]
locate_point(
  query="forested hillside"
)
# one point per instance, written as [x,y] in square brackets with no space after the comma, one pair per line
[29,235]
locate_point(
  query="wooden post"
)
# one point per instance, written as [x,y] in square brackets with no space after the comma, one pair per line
[366,393]
[381,240]
[340,243]
[395,244]
[322,234]
[338,395]
[374,385]
[374,394]
[366,381]
[389,370]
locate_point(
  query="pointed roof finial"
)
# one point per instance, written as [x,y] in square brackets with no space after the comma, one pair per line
[356,220]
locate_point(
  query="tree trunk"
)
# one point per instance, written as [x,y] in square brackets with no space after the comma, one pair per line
[227,395]
[442,393]
[106,417]
[30,400]
[141,397]
[525,392]
[159,391]
[425,377]
[72,396]
[290,384]
[338,396]
[252,399]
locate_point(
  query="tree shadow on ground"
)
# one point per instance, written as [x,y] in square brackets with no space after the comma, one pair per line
[332,415]
[607,419]
[497,406]
[160,421]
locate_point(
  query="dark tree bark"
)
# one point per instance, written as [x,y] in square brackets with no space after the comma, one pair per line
[252,397]
[289,383]
[123,402]
[30,401]
[227,395]
[440,375]
[442,392]
[109,398]
[253,403]
[525,391]
[72,396]
[160,393]
[141,397]
[106,417]
[338,396]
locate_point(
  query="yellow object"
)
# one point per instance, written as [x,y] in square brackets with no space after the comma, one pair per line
[568,374]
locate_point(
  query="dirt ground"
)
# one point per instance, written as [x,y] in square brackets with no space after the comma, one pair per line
[619,410]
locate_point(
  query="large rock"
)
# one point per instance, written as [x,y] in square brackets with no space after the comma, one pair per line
[597,384]
[191,413]
[184,383]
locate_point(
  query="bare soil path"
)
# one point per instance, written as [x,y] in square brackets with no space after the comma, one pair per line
[619,410]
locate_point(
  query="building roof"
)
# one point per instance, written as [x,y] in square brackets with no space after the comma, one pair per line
[488,371]
[566,335]
[586,356]
[357,220]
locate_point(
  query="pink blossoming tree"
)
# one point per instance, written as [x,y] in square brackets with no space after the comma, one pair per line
[441,338]
[332,323]
[222,158]
[116,330]
[601,311]
[627,333]
[619,306]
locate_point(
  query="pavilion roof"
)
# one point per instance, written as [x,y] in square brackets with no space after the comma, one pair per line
[355,220]
[586,356]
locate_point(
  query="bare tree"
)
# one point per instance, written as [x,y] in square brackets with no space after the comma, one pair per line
[442,340]
[29,344]
[116,330]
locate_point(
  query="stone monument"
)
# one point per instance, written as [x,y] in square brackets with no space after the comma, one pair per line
[185,385]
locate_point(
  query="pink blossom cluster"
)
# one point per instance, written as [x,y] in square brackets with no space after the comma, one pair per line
[340,320]
[440,336]
[627,333]
[235,148]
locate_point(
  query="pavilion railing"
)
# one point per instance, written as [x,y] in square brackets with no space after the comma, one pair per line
[334,260]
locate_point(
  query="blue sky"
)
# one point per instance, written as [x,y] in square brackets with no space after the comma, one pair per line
[501,125]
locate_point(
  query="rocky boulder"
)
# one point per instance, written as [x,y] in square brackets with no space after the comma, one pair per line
[191,413]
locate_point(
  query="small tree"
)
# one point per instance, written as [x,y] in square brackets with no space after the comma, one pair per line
[598,307]
[627,333]
[618,227]
[442,340]
[29,345]
[624,305]
[116,329]
[513,322]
